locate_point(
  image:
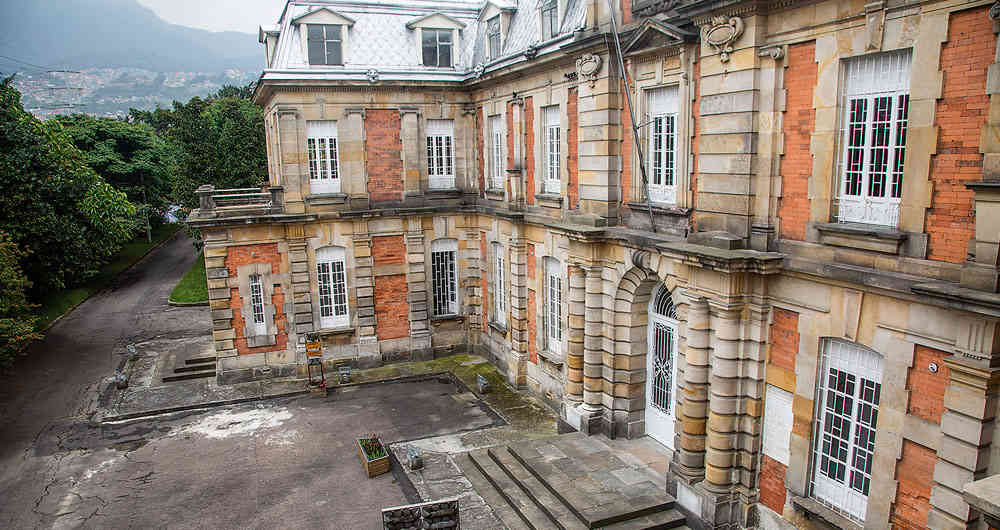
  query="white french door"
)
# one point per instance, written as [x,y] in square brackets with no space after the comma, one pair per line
[661,369]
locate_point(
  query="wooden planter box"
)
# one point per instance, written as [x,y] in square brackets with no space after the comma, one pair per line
[374,467]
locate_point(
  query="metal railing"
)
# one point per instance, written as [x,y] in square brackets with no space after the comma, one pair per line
[240,201]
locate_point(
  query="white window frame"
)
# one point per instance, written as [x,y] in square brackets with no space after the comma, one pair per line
[553,306]
[441,154]
[497,161]
[662,109]
[326,44]
[875,101]
[553,149]
[494,42]
[438,32]
[499,285]
[258,317]
[324,157]
[331,284]
[846,415]
[444,277]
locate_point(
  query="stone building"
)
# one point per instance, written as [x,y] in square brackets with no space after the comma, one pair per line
[772,246]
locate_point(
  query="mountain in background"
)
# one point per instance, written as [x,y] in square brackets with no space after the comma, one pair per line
[118,54]
[82,34]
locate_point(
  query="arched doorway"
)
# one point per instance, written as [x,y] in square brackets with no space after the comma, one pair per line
[661,367]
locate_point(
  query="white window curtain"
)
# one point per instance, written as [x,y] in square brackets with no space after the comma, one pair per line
[331,274]
[324,163]
[876,100]
[444,276]
[553,150]
[257,305]
[499,286]
[553,301]
[441,154]
[848,391]
[662,105]
[497,164]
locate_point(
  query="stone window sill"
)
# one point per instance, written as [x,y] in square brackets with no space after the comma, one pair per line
[552,357]
[320,199]
[815,509]
[499,328]
[549,200]
[861,236]
[442,318]
[660,208]
[495,194]
[443,193]
[325,332]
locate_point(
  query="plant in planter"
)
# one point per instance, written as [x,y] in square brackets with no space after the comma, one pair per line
[373,455]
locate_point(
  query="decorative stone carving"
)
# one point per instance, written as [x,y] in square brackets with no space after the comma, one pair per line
[588,67]
[532,51]
[640,258]
[479,70]
[721,33]
[774,52]
[372,76]
[647,8]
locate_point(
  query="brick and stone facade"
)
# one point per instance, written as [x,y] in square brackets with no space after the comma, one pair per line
[770,288]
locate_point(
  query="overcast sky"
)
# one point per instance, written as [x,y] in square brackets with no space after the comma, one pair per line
[218,15]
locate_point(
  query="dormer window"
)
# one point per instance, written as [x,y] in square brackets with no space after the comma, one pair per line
[550,19]
[437,46]
[493,36]
[325,44]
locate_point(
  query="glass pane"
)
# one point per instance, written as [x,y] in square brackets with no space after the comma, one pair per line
[314,32]
[429,43]
[445,58]
[317,54]
[333,53]
[332,32]
[444,36]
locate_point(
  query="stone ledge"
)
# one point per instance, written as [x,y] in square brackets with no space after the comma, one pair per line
[321,199]
[554,358]
[324,332]
[494,194]
[861,236]
[984,495]
[444,193]
[443,318]
[549,200]
[498,328]
[660,209]
[961,297]
[816,509]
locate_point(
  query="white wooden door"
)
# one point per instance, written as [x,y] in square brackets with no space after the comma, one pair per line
[661,369]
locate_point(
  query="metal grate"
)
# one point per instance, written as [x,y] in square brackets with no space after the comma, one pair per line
[663,303]
[848,393]
[257,304]
[441,154]
[553,150]
[444,277]
[324,164]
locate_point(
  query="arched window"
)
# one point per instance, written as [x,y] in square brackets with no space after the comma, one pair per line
[663,303]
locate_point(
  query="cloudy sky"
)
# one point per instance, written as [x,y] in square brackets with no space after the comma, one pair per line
[218,15]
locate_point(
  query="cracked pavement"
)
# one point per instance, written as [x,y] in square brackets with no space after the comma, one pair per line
[288,462]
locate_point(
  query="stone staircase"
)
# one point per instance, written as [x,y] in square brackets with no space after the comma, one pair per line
[194,368]
[568,482]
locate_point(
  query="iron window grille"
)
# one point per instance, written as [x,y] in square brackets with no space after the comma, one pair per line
[437,46]
[325,44]
[444,277]
[663,349]
[324,162]
[257,304]
[848,391]
[441,154]
[493,36]
[662,105]
[876,101]
[332,282]
[553,150]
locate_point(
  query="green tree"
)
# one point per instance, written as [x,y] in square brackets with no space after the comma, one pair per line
[17,322]
[130,156]
[67,219]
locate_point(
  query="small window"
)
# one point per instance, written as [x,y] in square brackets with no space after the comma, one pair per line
[553,301]
[437,47]
[257,305]
[444,276]
[550,20]
[493,36]
[441,154]
[325,44]
[332,282]
[553,150]
[662,105]
[876,101]
[324,170]
[497,159]
[499,286]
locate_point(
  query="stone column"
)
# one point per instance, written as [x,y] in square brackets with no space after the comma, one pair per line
[364,283]
[294,160]
[412,167]
[516,361]
[689,459]
[593,352]
[575,336]
[767,180]
[301,299]
[724,399]
[351,150]
[599,150]
[416,285]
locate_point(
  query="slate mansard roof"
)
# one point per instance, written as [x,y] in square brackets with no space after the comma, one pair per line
[379,38]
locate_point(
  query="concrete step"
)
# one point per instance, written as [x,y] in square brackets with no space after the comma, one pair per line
[556,510]
[200,360]
[669,519]
[489,494]
[195,368]
[185,377]
[516,498]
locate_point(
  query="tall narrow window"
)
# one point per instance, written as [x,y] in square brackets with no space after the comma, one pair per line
[550,19]
[553,302]
[848,391]
[441,154]
[662,106]
[499,286]
[876,101]
[325,44]
[493,36]
[553,150]
[257,305]
[496,149]
[332,282]
[444,276]
[437,47]
[324,165]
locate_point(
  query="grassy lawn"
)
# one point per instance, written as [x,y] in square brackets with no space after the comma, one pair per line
[193,287]
[57,304]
